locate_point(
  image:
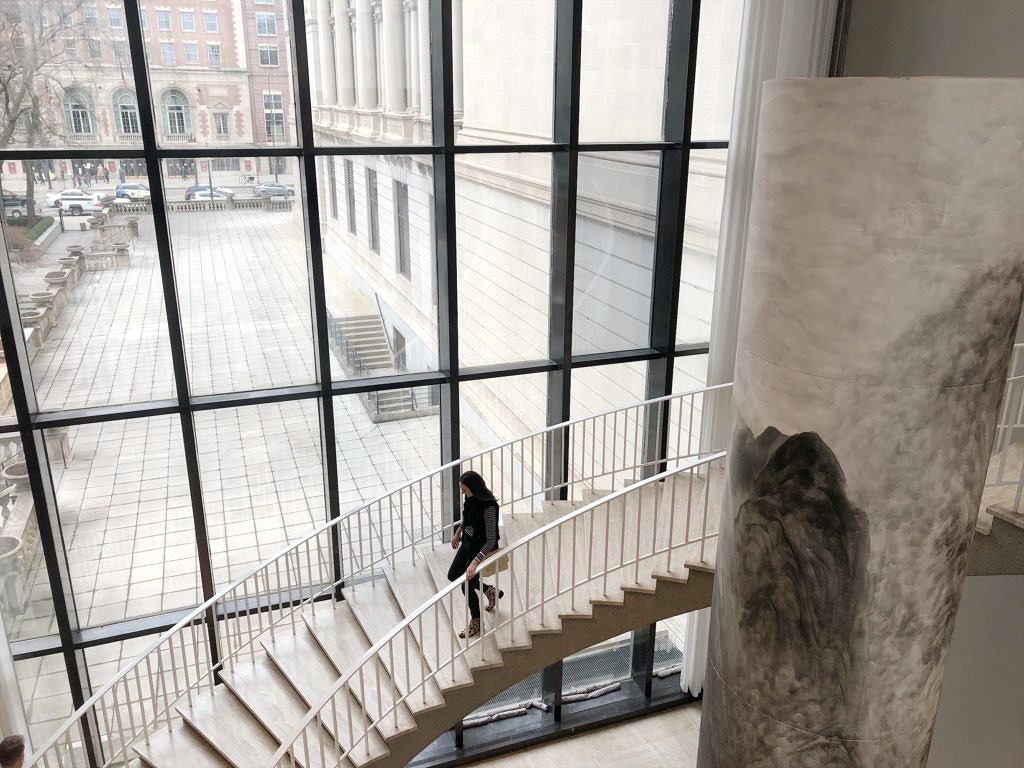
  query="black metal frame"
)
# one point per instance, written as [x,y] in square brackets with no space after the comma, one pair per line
[564,149]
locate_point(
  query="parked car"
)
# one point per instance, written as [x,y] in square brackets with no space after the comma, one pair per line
[13,210]
[272,189]
[207,195]
[132,190]
[13,199]
[70,195]
[195,189]
[93,203]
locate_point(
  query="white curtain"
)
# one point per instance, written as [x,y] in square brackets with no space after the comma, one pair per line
[780,39]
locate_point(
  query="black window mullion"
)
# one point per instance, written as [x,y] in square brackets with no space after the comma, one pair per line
[680,75]
[442,114]
[176,339]
[317,284]
[51,536]
[564,171]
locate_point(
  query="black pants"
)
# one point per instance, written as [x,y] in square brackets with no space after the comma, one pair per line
[467,551]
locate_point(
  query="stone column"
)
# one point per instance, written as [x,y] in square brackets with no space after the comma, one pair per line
[458,92]
[325,52]
[423,28]
[412,56]
[882,289]
[366,56]
[344,66]
[395,94]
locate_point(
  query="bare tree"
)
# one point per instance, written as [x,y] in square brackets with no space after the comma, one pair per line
[40,47]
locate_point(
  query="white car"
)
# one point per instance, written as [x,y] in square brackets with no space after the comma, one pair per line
[53,199]
[89,204]
[209,196]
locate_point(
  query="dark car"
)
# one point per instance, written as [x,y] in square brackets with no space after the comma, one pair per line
[13,200]
[195,189]
[272,189]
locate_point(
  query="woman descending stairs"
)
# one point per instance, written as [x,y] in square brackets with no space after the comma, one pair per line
[426,679]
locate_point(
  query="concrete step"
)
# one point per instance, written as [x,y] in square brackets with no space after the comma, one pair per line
[337,632]
[377,612]
[230,728]
[272,700]
[176,745]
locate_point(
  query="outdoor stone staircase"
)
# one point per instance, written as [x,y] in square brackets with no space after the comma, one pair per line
[368,339]
[265,696]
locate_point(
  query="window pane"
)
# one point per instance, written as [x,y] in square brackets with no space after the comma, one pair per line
[600,389]
[26,604]
[504,70]
[622,78]
[240,263]
[700,244]
[370,80]
[42,44]
[373,306]
[616,209]
[126,515]
[262,481]
[45,694]
[217,70]
[495,411]
[503,215]
[90,298]
[384,439]
[718,45]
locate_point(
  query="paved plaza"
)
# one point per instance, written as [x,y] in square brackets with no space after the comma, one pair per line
[122,492]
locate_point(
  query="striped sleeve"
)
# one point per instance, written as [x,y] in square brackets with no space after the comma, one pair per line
[491,531]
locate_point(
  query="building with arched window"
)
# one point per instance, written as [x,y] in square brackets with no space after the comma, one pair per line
[126,115]
[78,111]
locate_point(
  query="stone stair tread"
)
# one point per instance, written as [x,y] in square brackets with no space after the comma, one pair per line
[176,746]
[375,608]
[230,728]
[439,561]
[413,586]
[301,660]
[338,633]
[271,699]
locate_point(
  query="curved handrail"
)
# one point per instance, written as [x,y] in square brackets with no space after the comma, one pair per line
[446,596]
[236,596]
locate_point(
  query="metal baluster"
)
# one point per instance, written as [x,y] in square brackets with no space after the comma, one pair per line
[558,564]
[638,456]
[689,432]
[348,714]
[270,617]
[117,719]
[707,500]
[607,535]
[184,666]
[572,575]
[309,573]
[604,444]
[259,621]
[527,601]
[615,440]
[543,576]
[639,522]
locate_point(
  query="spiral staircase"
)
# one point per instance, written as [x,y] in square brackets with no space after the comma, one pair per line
[343,650]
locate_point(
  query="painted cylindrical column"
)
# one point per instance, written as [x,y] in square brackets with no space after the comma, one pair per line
[344,66]
[366,55]
[326,52]
[395,96]
[882,289]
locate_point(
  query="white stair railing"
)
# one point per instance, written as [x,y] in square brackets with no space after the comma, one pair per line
[1006,470]
[603,450]
[591,552]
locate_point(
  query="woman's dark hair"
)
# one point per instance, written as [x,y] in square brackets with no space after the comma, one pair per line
[477,486]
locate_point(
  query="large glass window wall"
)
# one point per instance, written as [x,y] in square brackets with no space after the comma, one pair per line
[205,309]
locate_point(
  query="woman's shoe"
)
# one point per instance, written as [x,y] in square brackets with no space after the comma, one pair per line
[472,630]
[492,598]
